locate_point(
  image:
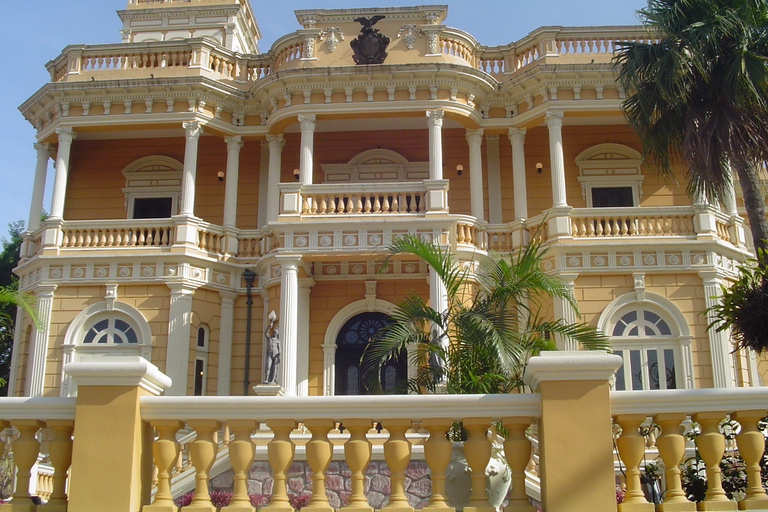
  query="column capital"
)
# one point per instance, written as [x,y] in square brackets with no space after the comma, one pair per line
[492,137]
[435,117]
[276,142]
[475,136]
[227,296]
[43,149]
[554,118]
[712,277]
[516,135]
[307,121]
[234,143]
[66,134]
[288,262]
[181,288]
[45,291]
[193,129]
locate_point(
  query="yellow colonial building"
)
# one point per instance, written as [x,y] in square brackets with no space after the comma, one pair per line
[206,193]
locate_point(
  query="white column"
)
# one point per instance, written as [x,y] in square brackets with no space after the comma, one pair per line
[303,306]
[494,178]
[329,368]
[564,311]
[276,143]
[66,136]
[289,320]
[517,139]
[18,335]
[475,141]
[226,323]
[193,131]
[435,122]
[179,332]
[307,122]
[263,182]
[719,344]
[554,119]
[234,144]
[729,200]
[38,349]
[38,188]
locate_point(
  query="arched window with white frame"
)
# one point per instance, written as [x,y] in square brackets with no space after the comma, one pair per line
[652,338]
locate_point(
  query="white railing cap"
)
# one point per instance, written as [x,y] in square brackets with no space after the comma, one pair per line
[37,408]
[339,408]
[118,371]
[689,401]
[570,365]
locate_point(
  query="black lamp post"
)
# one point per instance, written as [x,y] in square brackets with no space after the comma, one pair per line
[248,276]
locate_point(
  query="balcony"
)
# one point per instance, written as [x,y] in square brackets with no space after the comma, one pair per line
[567,444]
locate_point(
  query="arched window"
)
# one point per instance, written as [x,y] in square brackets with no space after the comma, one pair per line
[201,359]
[110,331]
[351,341]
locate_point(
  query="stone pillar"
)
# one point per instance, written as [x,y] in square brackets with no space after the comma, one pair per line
[304,309]
[276,143]
[565,312]
[719,342]
[234,144]
[574,389]
[435,122]
[224,377]
[494,178]
[38,350]
[554,119]
[38,188]
[179,332]
[307,122]
[475,140]
[193,131]
[263,182]
[66,136]
[289,320]
[517,139]
[18,335]
[108,401]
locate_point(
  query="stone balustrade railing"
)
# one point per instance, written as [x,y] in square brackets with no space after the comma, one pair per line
[211,238]
[621,222]
[117,234]
[319,417]
[708,408]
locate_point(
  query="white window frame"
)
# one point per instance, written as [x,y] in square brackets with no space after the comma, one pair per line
[153,177]
[610,166]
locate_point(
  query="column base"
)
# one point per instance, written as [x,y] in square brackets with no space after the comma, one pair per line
[479,508]
[268,390]
[756,505]
[354,507]
[396,508]
[278,507]
[238,508]
[166,506]
[19,505]
[205,506]
[680,506]
[636,507]
[318,508]
[717,505]
[439,507]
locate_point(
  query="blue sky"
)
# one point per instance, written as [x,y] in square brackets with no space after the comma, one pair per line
[32,32]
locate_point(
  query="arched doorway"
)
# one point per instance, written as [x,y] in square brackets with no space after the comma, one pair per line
[351,341]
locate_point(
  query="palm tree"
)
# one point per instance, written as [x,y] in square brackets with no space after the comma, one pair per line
[11,297]
[491,327]
[699,93]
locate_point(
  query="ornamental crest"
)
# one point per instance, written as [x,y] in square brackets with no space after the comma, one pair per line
[370,47]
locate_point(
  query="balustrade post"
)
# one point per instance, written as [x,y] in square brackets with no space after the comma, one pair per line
[280,452]
[751,444]
[203,451]
[517,449]
[397,454]
[241,453]
[711,445]
[671,445]
[319,456]
[165,451]
[25,450]
[631,446]
[437,452]
[357,453]
[60,455]
[477,451]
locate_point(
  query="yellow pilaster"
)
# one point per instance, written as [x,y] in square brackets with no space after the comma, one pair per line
[112,446]
[575,448]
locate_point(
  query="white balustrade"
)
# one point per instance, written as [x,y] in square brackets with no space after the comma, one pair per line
[116,234]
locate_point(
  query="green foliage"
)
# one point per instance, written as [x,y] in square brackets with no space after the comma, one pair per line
[6,475]
[743,308]
[491,327]
[699,92]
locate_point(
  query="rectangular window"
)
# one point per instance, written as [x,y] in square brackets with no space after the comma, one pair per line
[199,377]
[612,197]
[646,368]
[152,207]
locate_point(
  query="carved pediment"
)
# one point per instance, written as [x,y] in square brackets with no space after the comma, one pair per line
[383,165]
